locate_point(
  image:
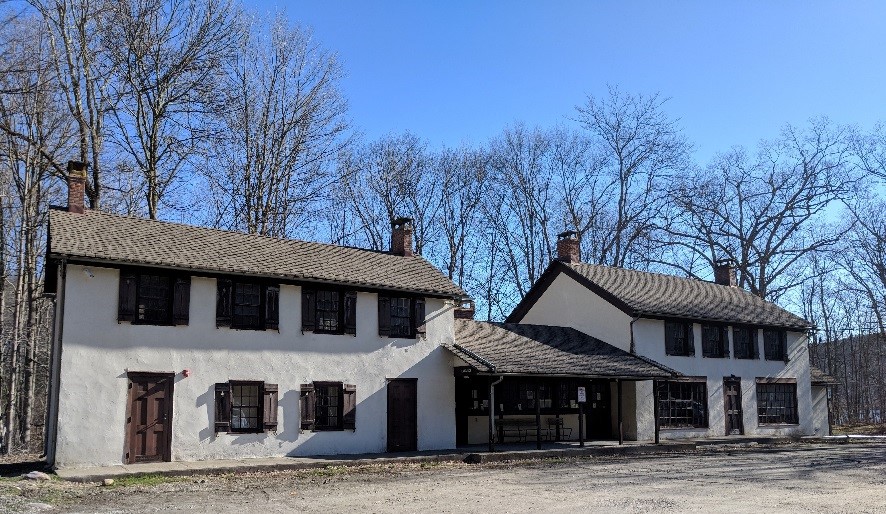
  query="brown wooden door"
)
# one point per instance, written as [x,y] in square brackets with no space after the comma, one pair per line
[149,420]
[732,396]
[402,415]
[599,410]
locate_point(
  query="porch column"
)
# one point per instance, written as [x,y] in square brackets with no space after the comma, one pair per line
[537,416]
[621,429]
[492,383]
[655,408]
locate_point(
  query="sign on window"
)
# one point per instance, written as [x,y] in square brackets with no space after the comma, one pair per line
[582,395]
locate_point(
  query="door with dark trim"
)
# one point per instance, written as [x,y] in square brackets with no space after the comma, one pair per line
[149,417]
[732,407]
[599,410]
[402,414]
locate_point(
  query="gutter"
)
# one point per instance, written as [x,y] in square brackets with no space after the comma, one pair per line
[474,356]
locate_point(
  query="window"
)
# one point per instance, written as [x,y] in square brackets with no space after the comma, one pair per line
[245,407]
[744,342]
[153,298]
[401,316]
[776,403]
[678,339]
[775,346]
[714,342]
[683,404]
[247,305]
[328,311]
[328,406]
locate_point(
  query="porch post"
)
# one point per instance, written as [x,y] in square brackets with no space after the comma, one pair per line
[655,408]
[621,430]
[537,416]
[491,414]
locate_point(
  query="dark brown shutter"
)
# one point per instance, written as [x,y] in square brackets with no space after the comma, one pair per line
[223,311]
[272,307]
[419,316]
[349,409]
[690,338]
[222,407]
[126,307]
[270,408]
[755,343]
[307,403]
[724,338]
[181,300]
[351,313]
[783,342]
[308,309]
[384,316]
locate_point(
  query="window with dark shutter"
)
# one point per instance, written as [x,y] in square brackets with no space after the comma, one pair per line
[247,305]
[328,407]
[308,305]
[744,342]
[153,297]
[307,404]
[181,301]
[714,342]
[272,307]
[223,407]
[419,317]
[349,410]
[270,408]
[328,312]
[775,345]
[127,302]
[679,339]
[351,313]
[384,316]
[223,313]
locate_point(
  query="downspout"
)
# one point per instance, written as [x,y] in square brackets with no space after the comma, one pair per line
[492,411]
[633,344]
[55,365]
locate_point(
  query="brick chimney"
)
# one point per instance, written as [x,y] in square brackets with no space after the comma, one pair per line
[401,237]
[568,248]
[465,310]
[76,186]
[724,273]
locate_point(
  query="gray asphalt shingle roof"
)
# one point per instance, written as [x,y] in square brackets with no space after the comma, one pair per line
[102,237]
[656,294]
[546,350]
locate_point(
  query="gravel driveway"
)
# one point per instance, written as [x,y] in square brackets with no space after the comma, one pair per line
[793,478]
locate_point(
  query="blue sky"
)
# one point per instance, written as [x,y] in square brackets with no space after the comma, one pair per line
[735,72]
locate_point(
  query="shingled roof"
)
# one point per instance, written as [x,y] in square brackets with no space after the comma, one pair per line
[820,378]
[510,348]
[656,295]
[100,237]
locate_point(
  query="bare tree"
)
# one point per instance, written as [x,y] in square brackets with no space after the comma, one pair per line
[281,121]
[765,212]
[168,56]
[616,200]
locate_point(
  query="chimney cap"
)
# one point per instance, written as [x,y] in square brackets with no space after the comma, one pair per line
[567,234]
[398,222]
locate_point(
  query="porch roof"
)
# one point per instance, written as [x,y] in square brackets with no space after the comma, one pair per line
[522,349]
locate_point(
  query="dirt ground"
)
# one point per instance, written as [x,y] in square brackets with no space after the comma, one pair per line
[792,478]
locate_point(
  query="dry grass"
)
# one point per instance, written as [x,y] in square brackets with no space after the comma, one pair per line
[861,429]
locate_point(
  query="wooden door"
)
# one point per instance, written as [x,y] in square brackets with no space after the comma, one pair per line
[402,415]
[149,420]
[732,397]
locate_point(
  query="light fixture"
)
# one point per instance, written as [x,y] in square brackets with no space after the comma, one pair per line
[89,273]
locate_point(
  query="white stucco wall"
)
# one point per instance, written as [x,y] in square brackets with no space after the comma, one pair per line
[98,351]
[820,425]
[566,303]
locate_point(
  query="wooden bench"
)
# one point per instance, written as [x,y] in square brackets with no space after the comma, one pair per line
[521,429]
[553,424]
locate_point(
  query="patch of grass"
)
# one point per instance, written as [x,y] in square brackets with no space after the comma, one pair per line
[146,480]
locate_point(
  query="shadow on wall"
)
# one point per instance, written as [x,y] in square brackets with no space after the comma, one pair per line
[371,422]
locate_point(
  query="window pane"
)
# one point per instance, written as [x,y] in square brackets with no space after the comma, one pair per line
[245,404]
[328,311]
[154,298]
[678,338]
[328,410]
[713,341]
[683,404]
[401,317]
[777,403]
[247,305]
[774,347]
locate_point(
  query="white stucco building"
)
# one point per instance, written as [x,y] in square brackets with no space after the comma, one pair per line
[175,342]
[743,360]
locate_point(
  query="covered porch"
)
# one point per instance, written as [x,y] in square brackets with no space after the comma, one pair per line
[521,384]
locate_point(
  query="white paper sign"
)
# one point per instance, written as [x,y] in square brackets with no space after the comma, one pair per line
[582,396]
